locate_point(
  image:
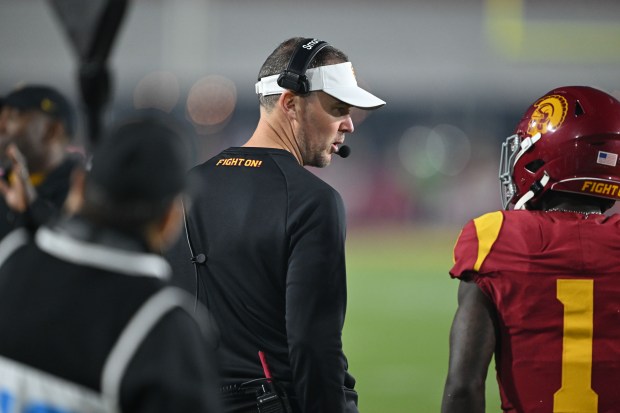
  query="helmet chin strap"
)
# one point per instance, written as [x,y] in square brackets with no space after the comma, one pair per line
[526,144]
[539,186]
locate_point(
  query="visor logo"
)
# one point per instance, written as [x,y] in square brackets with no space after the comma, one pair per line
[549,113]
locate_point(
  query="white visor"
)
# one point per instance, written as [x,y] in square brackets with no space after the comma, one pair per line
[336,80]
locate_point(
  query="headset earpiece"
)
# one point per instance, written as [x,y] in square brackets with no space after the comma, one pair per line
[294,76]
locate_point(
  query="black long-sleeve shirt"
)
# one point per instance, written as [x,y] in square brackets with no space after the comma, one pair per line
[274,279]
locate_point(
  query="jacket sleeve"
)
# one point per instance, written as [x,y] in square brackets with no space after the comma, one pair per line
[173,370]
[316,304]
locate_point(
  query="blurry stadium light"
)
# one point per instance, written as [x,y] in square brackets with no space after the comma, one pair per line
[412,152]
[157,90]
[444,149]
[211,102]
[448,149]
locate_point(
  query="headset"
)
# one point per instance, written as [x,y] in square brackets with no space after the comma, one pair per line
[294,76]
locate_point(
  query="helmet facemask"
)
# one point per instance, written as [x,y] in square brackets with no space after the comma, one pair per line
[512,150]
[508,189]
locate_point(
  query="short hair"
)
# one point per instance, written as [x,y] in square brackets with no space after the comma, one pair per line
[278,60]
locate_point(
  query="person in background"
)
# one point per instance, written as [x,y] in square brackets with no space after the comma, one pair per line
[539,281]
[37,123]
[266,250]
[89,321]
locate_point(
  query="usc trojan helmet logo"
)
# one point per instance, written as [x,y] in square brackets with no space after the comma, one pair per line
[549,113]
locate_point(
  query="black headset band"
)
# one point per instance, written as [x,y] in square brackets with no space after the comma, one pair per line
[304,54]
[294,76]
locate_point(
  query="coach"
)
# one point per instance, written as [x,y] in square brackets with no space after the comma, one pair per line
[267,238]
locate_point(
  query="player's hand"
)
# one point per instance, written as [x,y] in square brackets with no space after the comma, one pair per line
[18,192]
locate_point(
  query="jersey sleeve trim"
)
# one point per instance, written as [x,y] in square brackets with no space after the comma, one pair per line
[487,231]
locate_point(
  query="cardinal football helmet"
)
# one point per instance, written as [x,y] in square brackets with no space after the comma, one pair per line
[568,140]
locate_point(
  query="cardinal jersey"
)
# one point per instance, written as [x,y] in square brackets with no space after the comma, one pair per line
[554,279]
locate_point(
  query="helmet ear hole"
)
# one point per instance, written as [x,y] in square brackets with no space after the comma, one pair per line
[579,109]
[534,165]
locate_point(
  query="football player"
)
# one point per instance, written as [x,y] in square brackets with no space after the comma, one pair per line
[540,281]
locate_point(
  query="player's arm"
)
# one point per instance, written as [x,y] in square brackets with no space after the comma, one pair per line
[315,306]
[472,343]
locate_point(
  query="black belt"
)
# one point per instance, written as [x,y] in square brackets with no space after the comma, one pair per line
[268,396]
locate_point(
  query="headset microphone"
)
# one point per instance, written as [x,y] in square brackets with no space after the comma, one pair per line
[344,151]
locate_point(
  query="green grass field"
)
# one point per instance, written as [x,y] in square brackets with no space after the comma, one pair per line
[400,307]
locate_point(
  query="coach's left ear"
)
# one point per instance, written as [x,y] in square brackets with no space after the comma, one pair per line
[288,103]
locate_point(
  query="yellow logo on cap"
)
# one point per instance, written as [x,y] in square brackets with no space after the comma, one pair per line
[47,105]
[549,114]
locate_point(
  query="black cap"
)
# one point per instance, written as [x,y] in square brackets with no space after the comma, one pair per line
[140,160]
[45,99]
